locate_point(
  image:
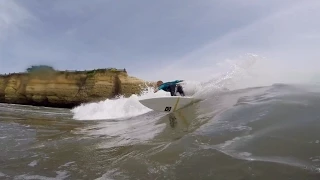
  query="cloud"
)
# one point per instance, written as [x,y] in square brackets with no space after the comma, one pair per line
[12,17]
[181,39]
[285,40]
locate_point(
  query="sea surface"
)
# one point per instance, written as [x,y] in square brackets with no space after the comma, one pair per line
[268,132]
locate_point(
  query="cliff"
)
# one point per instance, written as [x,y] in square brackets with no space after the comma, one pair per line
[66,89]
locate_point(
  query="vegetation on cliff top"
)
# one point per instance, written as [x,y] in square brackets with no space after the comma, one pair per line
[40,68]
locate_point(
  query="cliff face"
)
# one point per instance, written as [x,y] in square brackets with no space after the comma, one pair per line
[66,89]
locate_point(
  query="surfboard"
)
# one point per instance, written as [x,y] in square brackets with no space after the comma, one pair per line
[167,103]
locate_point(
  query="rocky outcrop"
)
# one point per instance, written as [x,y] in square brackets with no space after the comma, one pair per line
[66,89]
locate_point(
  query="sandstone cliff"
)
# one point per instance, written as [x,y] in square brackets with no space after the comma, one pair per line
[66,89]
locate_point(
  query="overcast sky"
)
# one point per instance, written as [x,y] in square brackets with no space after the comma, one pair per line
[138,34]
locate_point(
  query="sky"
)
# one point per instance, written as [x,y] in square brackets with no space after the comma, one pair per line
[167,39]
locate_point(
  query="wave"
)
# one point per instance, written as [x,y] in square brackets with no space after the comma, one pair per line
[123,107]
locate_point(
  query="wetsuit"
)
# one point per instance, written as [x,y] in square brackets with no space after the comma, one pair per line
[172,87]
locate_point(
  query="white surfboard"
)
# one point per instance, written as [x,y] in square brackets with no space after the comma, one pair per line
[168,103]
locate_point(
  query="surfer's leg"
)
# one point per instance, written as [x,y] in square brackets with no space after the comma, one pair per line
[172,89]
[180,90]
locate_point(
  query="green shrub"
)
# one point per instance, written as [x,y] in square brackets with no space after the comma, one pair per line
[40,68]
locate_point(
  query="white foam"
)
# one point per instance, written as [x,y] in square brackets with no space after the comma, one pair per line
[110,109]
[67,164]
[2,175]
[114,108]
[110,174]
[60,176]
[33,163]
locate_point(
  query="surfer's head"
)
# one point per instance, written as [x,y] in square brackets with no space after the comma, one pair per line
[159,83]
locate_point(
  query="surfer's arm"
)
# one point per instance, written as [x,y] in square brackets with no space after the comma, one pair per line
[161,87]
[176,81]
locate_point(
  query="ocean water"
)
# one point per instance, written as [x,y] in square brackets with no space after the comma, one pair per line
[259,132]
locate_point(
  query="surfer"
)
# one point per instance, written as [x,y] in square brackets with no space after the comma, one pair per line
[173,87]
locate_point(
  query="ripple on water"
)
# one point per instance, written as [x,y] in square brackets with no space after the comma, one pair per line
[60,176]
